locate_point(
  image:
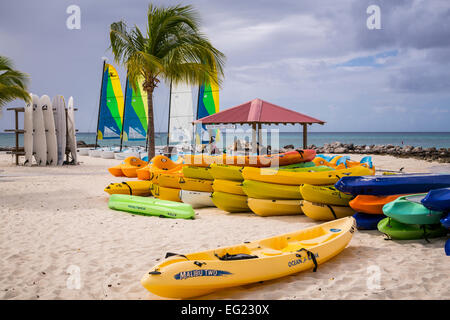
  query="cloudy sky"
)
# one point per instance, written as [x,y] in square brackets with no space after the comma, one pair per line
[317,57]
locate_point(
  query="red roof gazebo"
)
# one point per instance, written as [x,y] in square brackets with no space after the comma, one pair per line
[257,112]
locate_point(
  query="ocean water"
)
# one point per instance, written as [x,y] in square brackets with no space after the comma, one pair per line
[422,139]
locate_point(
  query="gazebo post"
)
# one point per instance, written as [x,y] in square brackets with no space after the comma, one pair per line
[305,135]
[254,147]
[259,138]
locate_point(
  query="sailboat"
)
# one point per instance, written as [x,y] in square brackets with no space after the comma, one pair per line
[208,104]
[111,108]
[135,120]
[181,115]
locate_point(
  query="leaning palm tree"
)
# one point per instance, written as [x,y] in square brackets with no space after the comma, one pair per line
[172,49]
[13,83]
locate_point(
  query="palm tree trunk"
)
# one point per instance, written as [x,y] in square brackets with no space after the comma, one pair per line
[150,126]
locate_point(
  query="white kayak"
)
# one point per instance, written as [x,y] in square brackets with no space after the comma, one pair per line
[196,199]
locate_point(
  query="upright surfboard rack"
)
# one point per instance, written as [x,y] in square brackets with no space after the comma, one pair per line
[19,150]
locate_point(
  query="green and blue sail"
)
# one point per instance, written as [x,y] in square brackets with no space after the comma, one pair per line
[110,117]
[136,113]
[208,104]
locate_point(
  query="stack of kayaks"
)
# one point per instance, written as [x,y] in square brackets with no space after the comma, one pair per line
[277,192]
[401,199]
[325,202]
[228,194]
[166,186]
[196,186]
[184,276]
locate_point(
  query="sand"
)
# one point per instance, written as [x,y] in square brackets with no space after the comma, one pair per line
[59,240]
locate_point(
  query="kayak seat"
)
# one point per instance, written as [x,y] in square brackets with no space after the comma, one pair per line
[311,242]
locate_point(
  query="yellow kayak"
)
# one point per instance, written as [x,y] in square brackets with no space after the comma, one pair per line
[325,194]
[184,276]
[266,207]
[164,193]
[193,184]
[320,211]
[265,190]
[226,172]
[169,180]
[134,188]
[197,172]
[298,178]
[228,186]
[230,202]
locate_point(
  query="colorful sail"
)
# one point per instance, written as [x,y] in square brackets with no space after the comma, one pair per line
[136,113]
[111,105]
[181,114]
[208,104]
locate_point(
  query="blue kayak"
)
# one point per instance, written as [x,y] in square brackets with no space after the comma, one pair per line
[445,221]
[392,184]
[438,199]
[366,221]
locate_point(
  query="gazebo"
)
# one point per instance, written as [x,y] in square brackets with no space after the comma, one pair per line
[257,112]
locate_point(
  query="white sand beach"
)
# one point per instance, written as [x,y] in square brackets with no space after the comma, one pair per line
[55,222]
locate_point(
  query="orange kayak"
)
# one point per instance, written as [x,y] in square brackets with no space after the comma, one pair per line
[128,167]
[159,164]
[371,204]
[279,159]
[350,164]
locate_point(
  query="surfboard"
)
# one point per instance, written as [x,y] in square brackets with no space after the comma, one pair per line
[39,139]
[59,110]
[71,136]
[50,131]
[28,135]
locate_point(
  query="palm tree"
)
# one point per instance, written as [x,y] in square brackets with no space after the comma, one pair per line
[13,83]
[172,49]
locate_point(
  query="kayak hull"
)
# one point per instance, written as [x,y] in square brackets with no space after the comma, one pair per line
[324,194]
[401,231]
[272,191]
[267,208]
[229,202]
[320,211]
[405,209]
[196,274]
[196,199]
[135,188]
[393,184]
[150,206]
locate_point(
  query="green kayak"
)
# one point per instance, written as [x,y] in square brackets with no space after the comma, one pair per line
[151,206]
[400,231]
[299,165]
[307,169]
[408,209]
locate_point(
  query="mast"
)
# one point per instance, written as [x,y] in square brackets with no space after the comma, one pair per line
[196,117]
[168,122]
[124,109]
[99,104]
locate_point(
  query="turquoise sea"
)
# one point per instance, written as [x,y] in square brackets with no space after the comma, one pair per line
[423,139]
